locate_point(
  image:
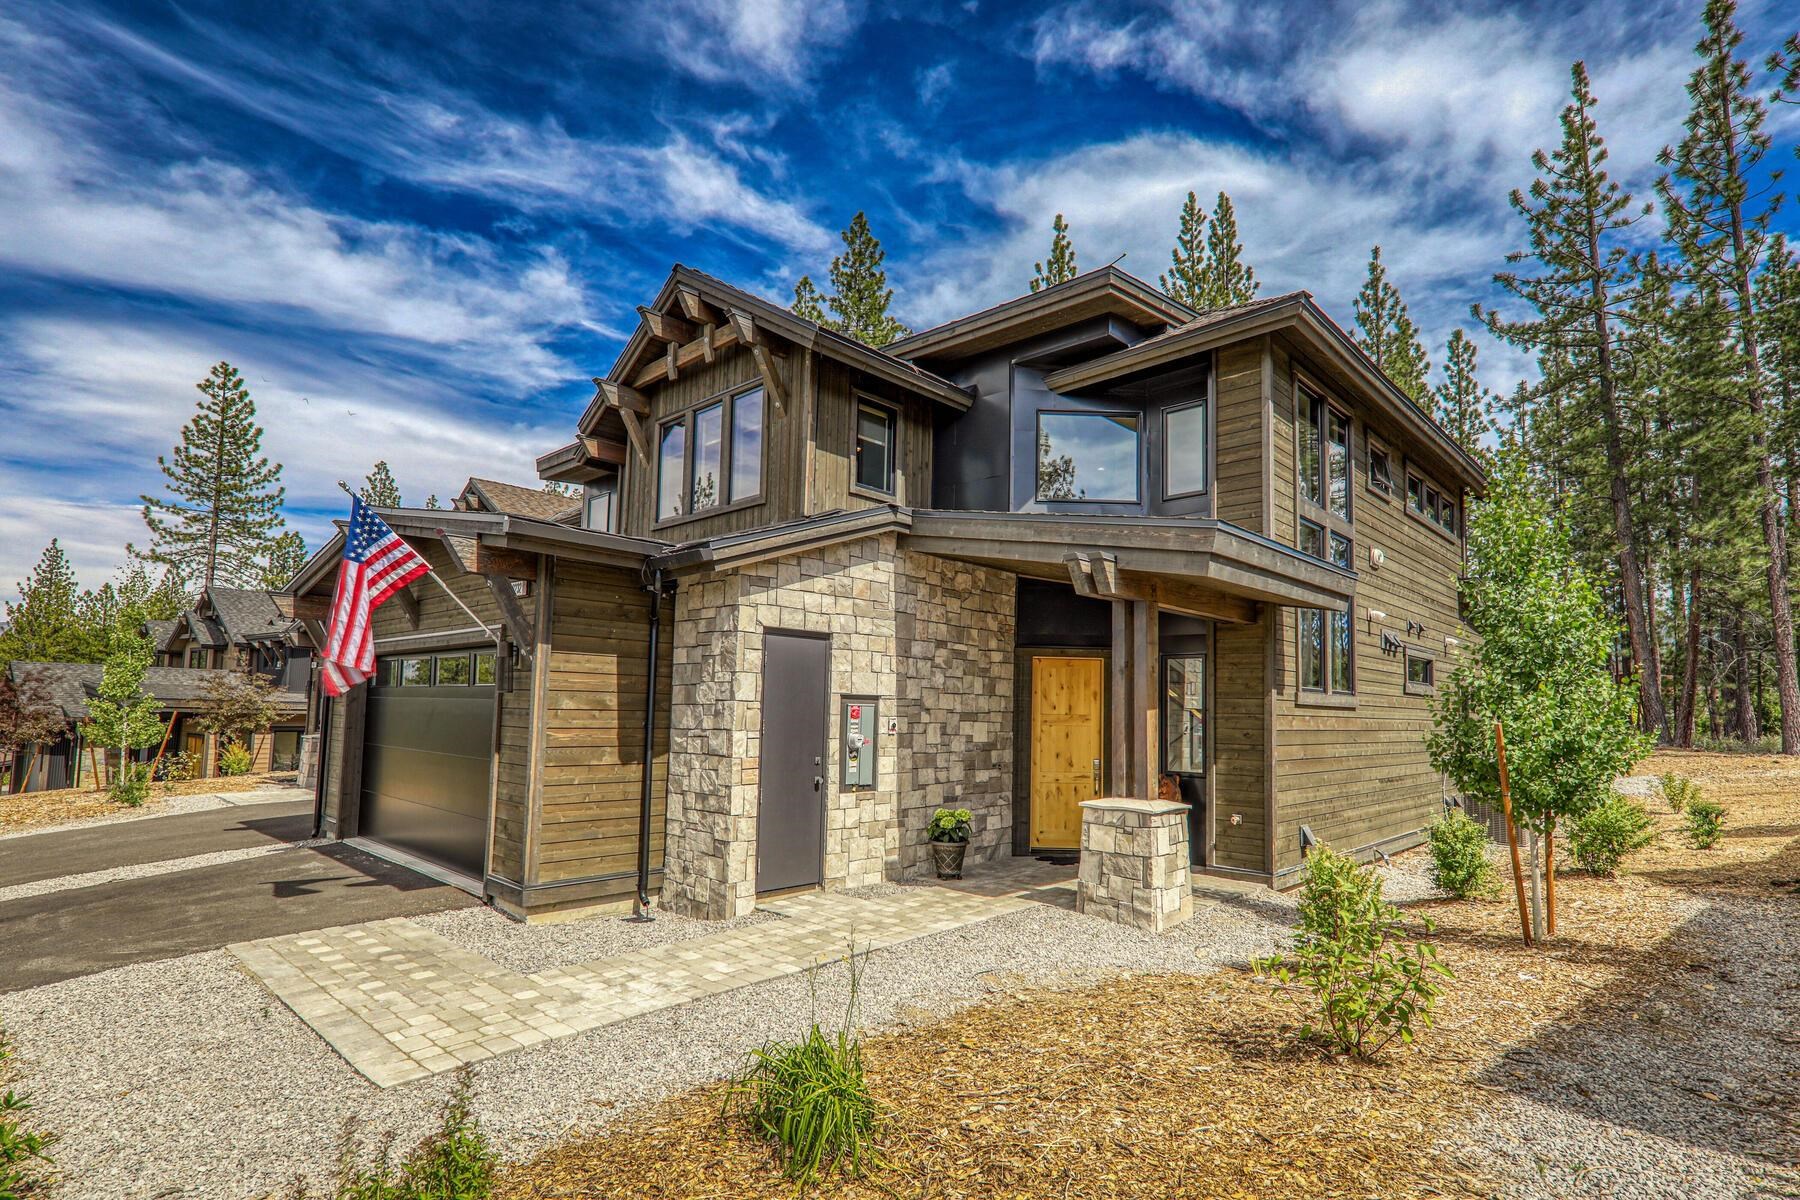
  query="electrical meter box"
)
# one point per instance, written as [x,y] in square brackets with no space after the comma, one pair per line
[856,722]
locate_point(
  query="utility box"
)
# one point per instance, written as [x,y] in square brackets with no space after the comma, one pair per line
[857,753]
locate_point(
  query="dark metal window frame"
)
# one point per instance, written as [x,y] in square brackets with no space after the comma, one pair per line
[726,402]
[1137,474]
[891,411]
[1429,488]
[1168,440]
[1373,445]
[1412,687]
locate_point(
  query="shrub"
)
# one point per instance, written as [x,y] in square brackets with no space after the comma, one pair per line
[176,767]
[1705,821]
[454,1162]
[1678,790]
[951,825]
[810,1099]
[1600,838]
[234,760]
[24,1153]
[1366,988]
[131,786]
[1459,856]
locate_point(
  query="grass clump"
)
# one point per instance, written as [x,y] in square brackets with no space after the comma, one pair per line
[1677,790]
[1366,987]
[809,1098]
[453,1162]
[24,1153]
[1705,822]
[1600,838]
[131,785]
[234,760]
[1459,856]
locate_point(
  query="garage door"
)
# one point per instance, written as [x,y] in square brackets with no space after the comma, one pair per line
[427,744]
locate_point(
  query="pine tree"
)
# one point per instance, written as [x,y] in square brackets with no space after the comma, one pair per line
[431,501]
[1386,332]
[1227,280]
[808,304]
[1187,261]
[287,554]
[226,497]
[1720,221]
[44,625]
[1061,263]
[1463,406]
[379,489]
[860,294]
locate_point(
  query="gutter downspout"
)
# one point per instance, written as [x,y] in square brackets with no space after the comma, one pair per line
[655,588]
[320,764]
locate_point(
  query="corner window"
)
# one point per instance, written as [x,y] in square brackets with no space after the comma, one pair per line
[1327,651]
[1087,456]
[1184,450]
[671,466]
[710,456]
[876,425]
[1381,469]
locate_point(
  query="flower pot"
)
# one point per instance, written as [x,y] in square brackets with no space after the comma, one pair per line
[948,856]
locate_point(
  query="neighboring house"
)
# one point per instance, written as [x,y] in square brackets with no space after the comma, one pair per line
[1086,542]
[228,630]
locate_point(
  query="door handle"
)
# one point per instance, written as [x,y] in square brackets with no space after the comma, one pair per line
[818,782]
[1096,777]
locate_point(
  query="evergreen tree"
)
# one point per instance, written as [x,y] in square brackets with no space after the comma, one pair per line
[1463,406]
[1186,277]
[808,303]
[1061,263]
[1386,332]
[379,489]
[44,625]
[431,501]
[226,497]
[1719,218]
[1228,280]
[859,292]
[287,554]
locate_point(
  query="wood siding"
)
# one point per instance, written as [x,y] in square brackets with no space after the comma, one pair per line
[1239,458]
[1240,783]
[834,432]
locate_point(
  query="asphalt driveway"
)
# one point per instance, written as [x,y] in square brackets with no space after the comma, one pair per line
[81,930]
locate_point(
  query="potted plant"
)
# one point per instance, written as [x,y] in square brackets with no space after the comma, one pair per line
[949,831]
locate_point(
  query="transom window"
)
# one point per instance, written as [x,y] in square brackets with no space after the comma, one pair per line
[1087,456]
[876,429]
[1184,450]
[710,456]
[456,668]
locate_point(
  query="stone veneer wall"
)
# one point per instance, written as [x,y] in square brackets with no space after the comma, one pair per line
[930,640]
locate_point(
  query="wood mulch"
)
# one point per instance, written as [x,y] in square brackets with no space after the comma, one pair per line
[1193,1086]
[31,810]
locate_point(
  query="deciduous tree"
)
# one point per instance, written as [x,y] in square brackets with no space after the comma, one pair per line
[123,716]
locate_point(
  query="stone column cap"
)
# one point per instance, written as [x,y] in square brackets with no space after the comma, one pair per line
[1153,808]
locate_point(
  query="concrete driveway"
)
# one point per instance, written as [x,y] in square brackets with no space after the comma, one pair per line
[236,894]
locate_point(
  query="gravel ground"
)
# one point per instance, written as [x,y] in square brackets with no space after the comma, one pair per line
[168,806]
[63,883]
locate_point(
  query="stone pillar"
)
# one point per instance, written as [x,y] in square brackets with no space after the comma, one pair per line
[1134,863]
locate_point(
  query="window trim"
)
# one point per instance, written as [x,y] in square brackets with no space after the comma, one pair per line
[1428,484]
[1330,695]
[1410,688]
[1305,385]
[726,399]
[1168,443]
[895,477]
[1371,444]
[1137,476]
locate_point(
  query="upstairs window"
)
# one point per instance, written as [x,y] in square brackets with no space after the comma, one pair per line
[1425,501]
[1324,454]
[196,657]
[1087,456]
[876,426]
[597,507]
[1381,470]
[710,456]
[1184,450]
[670,471]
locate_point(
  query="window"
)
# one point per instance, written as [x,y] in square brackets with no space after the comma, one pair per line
[1415,494]
[414,672]
[484,667]
[1327,651]
[284,750]
[1310,460]
[1381,470]
[1184,714]
[598,510]
[1087,456]
[1426,501]
[1421,673]
[1324,454]
[875,428]
[1312,538]
[196,657]
[452,670]
[1340,550]
[1184,450]
[1312,649]
[1337,462]
[711,455]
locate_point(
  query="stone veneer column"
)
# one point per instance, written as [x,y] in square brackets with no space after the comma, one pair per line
[1134,863]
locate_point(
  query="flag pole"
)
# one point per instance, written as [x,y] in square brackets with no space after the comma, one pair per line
[491,630]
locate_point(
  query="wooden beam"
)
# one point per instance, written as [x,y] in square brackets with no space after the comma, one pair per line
[1119,702]
[695,351]
[621,397]
[1146,711]
[1105,568]
[634,429]
[671,363]
[707,350]
[1189,599]
[512,613]
[1081,575]
[508,564]
[745,326]
[606,450]
[771,374]
[458,555]
[304,608]
[409,605]
[666,327]
[695,306]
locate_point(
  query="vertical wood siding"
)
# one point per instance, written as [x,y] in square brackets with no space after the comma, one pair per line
[1239,422]
[834,432]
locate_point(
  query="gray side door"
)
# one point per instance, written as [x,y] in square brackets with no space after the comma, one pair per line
[790,816]
[426,753]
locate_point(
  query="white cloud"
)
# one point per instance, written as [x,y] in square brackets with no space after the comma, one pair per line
[92,534]
[761,45]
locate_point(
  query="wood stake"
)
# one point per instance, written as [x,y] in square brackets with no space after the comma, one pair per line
[157,761]
[1512,834]
[1550,877]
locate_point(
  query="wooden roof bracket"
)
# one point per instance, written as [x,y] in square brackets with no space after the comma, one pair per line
[518,626]
[751,336]
[695,307]
[632,409]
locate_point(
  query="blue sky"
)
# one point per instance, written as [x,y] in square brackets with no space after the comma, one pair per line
[418,230]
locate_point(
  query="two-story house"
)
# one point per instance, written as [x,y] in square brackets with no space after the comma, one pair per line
[1087,542]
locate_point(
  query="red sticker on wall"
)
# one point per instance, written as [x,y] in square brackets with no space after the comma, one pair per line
[856,712]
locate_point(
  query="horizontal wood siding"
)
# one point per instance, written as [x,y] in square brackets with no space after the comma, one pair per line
[1359,776]
[593,737]
[1239,750]
[1240,451]
[834,430]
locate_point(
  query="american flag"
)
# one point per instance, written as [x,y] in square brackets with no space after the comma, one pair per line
[377,563]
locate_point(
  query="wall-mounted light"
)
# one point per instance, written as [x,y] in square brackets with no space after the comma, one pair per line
[1307,840]
[1376,617]
[1450,645]
[1377,556]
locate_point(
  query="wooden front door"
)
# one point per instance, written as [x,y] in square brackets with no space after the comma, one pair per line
[1068,723]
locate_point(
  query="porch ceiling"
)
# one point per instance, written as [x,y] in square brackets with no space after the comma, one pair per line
[1196,563]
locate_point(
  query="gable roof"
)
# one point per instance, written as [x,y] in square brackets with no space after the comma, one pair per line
[246,614]
[162,632]
[539,505]
[71,685]
[1107,291]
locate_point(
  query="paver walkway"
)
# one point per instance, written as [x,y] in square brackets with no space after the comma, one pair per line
[400,1002]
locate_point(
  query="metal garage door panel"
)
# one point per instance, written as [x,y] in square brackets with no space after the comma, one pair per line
[426,755]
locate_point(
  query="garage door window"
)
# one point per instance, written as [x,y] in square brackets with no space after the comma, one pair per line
[407,672]
[484,667]
[452,670]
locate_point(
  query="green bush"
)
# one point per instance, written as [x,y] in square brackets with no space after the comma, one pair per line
[177,766]
[1678,790]
[1600,838]
[809,1098]
[24,1153]
[130,787]
[454,1162]
[234,760]
[1366,987]
[1705,821]
[1459,856]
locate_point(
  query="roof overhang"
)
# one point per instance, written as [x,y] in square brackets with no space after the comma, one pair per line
[1209,554]
[741,549]
[1107,292]
[1302,320]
